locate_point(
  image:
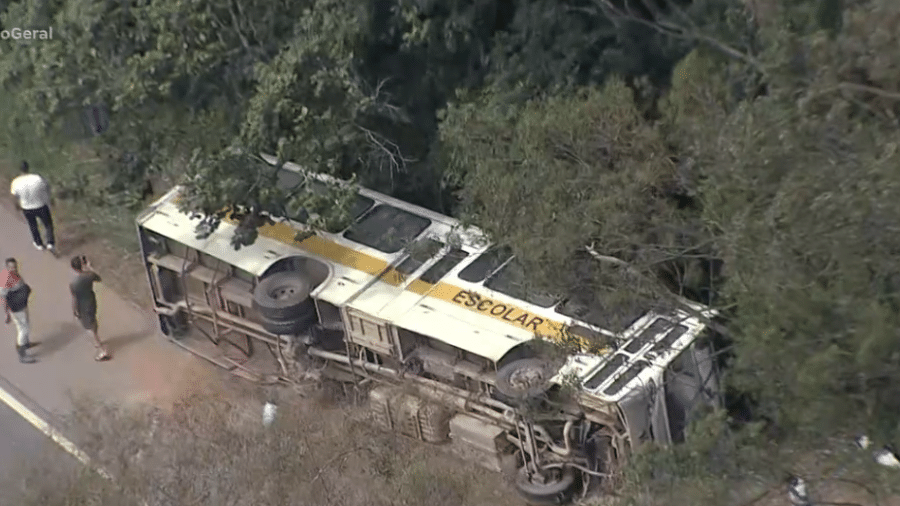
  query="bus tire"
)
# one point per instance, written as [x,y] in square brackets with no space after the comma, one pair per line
[283,296]
[524,379]
[167,325]
[172,326]
[556,490]
[290,327]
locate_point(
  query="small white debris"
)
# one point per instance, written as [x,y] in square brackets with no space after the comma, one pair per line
[887,458]
[797,492]
[269,411]
[884,456]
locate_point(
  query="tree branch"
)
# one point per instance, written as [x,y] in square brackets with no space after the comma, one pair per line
[608,259]
[388,148]
[681,32]
[237,28]
[683,304]
[893,95]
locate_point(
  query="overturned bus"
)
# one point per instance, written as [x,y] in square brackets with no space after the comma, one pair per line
[433,321]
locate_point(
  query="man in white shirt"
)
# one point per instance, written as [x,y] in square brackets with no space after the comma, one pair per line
[32,195]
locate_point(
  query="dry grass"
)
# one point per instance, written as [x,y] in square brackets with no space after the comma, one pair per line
[211,451]
[838,476]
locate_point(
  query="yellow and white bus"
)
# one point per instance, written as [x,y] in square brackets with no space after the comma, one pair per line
[437,323]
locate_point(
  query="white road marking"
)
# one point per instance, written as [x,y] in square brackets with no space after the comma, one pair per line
[48,430]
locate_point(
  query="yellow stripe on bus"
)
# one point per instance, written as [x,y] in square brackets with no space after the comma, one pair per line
[284,233]
[349,257]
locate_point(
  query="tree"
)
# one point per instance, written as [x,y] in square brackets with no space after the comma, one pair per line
[344,88]
[212,191]
[550,47]
[798,185]
[785,145]
[563,178]
[173,78]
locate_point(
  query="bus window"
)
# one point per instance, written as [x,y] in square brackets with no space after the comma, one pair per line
[153,243]
[603,374]
[387,229]
[484,265]
[588,306]
[360,206]
[443,266]
[666,343]
[288,180]
[658,327]
[510,280]
[625,378]
[420,252]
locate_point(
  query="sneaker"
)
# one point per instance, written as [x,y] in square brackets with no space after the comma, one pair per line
[50,247]
[40,247]
[23,357]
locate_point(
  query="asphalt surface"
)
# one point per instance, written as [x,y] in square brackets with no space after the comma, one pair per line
[26,450]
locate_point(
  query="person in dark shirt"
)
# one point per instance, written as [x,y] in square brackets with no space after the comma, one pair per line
[15,293]
[84,301]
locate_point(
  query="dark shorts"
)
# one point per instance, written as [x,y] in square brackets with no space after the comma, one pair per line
[88,320]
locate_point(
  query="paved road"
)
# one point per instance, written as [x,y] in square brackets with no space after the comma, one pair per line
[23,447]
[21,442]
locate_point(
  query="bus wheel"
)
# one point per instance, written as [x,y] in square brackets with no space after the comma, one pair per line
[167,325]
[172,327]
[290,327]
[524,379]
[283,296]
[550,486]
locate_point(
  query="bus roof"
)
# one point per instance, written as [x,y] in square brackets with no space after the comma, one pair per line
[357,280]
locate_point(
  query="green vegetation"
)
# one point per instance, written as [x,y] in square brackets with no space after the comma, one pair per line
[744,154]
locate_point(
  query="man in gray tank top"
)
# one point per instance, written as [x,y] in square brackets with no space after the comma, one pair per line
[84,301]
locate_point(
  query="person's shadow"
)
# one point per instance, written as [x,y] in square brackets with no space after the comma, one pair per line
[118,343]
[67,332]
[58,340]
